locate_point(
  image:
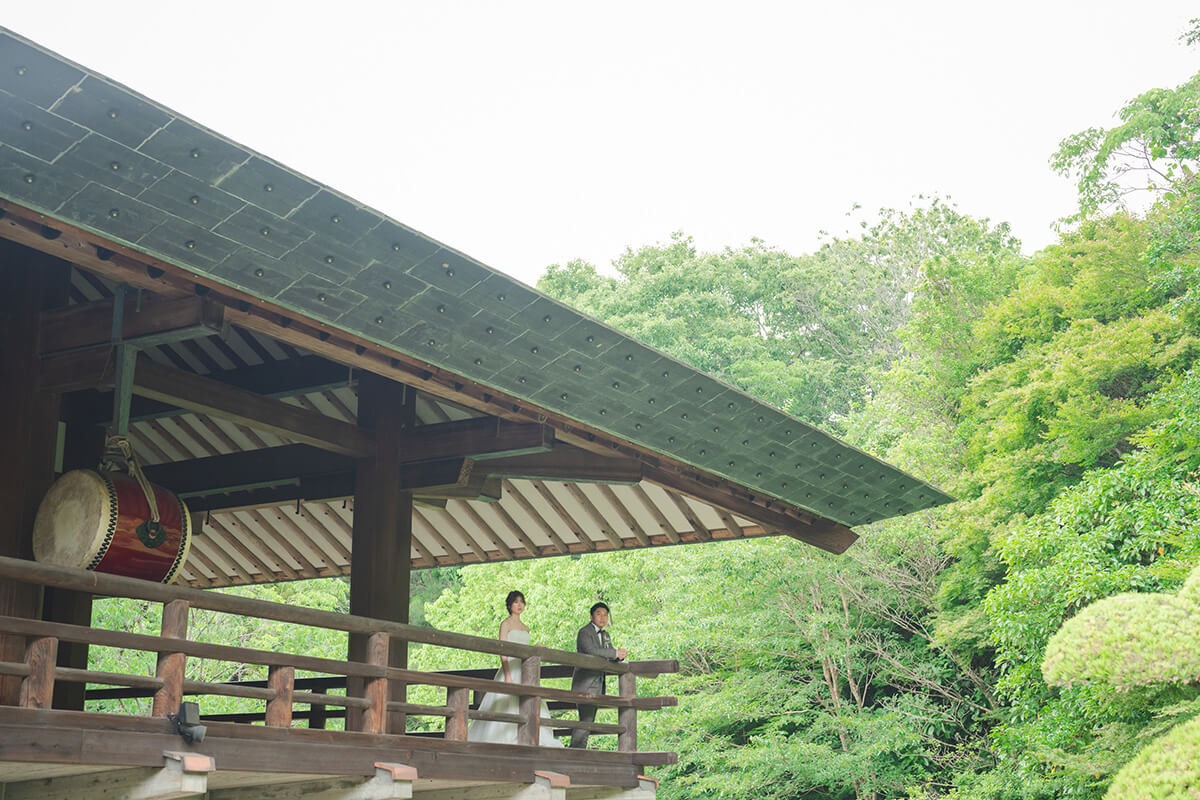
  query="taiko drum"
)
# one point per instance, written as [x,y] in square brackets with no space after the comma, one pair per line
[101,521]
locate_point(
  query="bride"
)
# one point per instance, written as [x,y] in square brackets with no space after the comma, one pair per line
[481,730]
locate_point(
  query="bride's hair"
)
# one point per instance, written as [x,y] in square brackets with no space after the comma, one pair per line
[512,598]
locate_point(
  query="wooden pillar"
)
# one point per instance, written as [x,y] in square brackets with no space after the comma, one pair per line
[83,447]
[279,708]
[171,665]
[530,706]
[381,559]
[627,717]
[29,282]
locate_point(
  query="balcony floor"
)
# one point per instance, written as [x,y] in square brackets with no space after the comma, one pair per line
[53,753]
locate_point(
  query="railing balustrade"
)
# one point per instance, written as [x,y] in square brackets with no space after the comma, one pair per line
[282,690]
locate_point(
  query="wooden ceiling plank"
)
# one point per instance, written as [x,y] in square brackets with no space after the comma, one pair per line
[304,564]
[285,517]
[206,543]
[698,527]
[234,541]
[511,490]
[565,515]
[339,406]
[426,554]
[184,452]
[463,534]
[595,516]
[435,410]
[451,551]
[334,539]
[652,508]
[626,516]
[197,556]
[189,426]
[254,344]
[197,352]
[218,432]
[482,525]
[510,523]
[143,443]
[206,396]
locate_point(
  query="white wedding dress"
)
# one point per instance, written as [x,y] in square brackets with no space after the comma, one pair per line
[482,730]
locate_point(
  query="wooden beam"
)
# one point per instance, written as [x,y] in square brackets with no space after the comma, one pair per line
[94,368]
[391,781]
[566,463]
[249,469]
[731,524]
[206,396]
[146,322]
[479,438]
[182,776]
[276,379]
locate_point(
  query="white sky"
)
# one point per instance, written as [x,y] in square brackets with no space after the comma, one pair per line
[526,134]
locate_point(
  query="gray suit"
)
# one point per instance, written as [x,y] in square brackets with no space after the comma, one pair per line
[589,680]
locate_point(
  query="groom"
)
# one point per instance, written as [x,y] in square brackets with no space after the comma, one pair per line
[592,640]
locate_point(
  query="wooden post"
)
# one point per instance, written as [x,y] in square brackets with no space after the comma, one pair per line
[29,282]
[37,688]
[381,559]
[529,731]
[375,717]
[171,665]
[83,446]
[627,717]
[456,725]
[279,708]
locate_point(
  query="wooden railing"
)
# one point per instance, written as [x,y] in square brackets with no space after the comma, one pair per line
[368,710]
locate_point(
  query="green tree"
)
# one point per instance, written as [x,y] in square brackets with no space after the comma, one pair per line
[1154,148]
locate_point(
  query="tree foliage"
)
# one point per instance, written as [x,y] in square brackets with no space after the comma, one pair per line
[1154,148]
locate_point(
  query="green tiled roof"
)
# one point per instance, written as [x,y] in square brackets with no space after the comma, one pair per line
[80,148]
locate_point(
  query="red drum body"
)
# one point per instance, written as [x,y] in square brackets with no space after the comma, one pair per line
[97,520]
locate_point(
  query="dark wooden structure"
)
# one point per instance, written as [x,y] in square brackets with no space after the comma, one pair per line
[333,394]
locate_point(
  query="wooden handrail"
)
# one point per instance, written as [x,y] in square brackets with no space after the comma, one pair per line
[370,706]
[119,586]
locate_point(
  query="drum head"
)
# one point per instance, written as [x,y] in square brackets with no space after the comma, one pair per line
[73,520]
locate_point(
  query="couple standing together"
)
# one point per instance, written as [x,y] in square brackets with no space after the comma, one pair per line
[591,640]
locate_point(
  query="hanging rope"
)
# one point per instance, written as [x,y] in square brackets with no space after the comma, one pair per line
[119,457]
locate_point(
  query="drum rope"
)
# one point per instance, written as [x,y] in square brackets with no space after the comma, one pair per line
[118,456]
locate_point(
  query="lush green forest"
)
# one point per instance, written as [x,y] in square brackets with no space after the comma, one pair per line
[1057,395]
